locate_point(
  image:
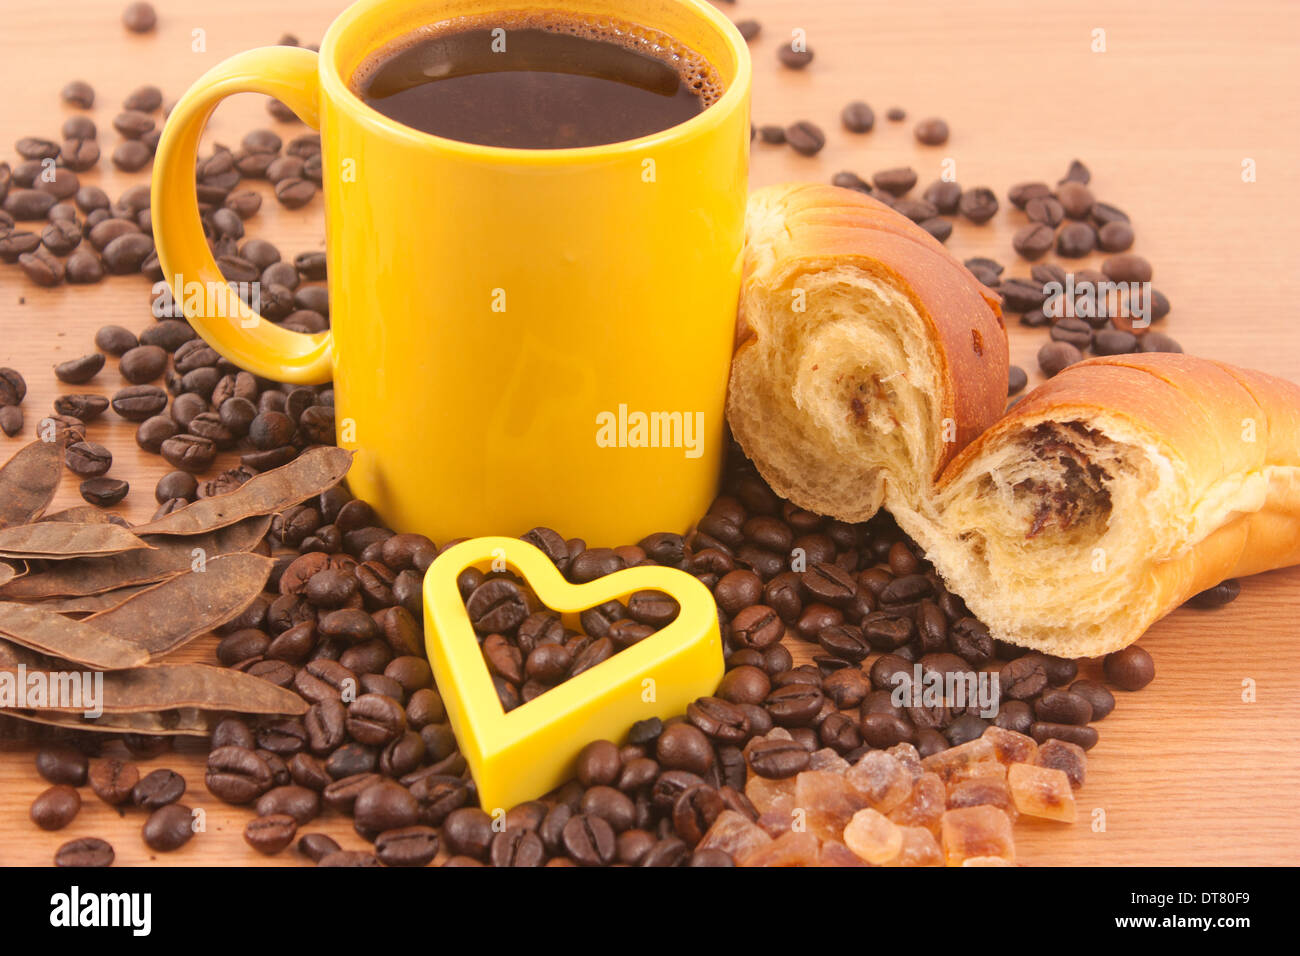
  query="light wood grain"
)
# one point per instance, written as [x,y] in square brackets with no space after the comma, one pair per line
[1186,772]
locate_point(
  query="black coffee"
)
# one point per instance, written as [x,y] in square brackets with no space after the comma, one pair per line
[539,84]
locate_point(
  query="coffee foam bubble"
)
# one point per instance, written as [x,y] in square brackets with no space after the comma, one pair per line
[695,72]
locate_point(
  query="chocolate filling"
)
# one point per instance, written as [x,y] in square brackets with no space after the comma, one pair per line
[1076,492]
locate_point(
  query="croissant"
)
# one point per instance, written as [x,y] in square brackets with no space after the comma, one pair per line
[864,350]
[1112,494]
[1103,500]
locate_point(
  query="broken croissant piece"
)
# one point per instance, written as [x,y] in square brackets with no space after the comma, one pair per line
[1112,494]
[865,352]
[1109,495]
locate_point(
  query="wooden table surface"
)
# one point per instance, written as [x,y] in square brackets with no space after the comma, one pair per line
[1183,94]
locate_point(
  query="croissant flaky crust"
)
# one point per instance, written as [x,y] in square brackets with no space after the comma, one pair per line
[1103,500]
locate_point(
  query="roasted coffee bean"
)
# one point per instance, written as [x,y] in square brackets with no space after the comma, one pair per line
[84,408]
[136,403]
[350,858]
[496,606]
[88,459]
[979,205]
[115,340]
[794,57]
[1017,379]
[1115,237]
[1056,357]
[858,117]
[113,780]
[1129,669]
[60,238]
[42,268]
[829,584]
[896,181]
[294,193]
[317,846]
[139,17]
[1082,736]
[152,433]
[777,759]
[794,704]
[1021,295]
[11,420]
[805,138]
[517,847]
[237,774]
[169,828]
[62,763]
[270,834]
[168,334]
[1158,342]
[887,630]
[1098,697]
[885,730]
[1075,240]
[1023,678]
[374,719]
[132,155]
[941,229]
[1034,240]
[719,719]
[971,640]
[133,124]
[1015,715]
[17,244]
[684,747]
[104,492]
[232,732]
[845,641]
[298,802]
[78,93]
[55,808]
[1225,592]
[125,254]
[931,132]
[189,453]
[1062,707]
[408,846]
[1045,210]
[694,811]
[85,852]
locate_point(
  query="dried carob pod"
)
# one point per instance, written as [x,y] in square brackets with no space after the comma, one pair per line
[49,632]
[28,482]
[168,557]
[166,616]
[60,540]
[314,471]
[167,687]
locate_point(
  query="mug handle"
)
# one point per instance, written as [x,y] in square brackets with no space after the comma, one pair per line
[218,314]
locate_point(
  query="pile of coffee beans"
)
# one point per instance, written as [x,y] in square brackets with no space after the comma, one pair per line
[527,648]
[343,627]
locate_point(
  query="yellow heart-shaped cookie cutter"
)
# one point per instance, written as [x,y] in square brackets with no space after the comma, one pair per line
[521,755]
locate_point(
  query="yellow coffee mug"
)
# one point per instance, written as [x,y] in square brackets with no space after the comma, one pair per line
[518,337]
